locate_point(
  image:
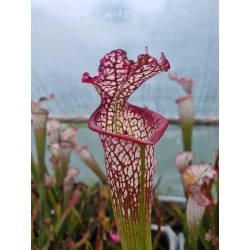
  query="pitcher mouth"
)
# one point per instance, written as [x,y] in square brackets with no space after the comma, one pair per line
[159,131]
[181,99]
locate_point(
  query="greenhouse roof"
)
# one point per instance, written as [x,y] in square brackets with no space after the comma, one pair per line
[70,37]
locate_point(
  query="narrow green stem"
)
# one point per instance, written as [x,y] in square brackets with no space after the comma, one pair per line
[193,239]
[187,129]
[40,136]
[61,221]
[66,197]
[65,159]
[145,231]
[52,199]
[59,177]
[34,170]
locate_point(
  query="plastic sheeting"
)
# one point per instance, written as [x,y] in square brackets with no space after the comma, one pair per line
[70,37]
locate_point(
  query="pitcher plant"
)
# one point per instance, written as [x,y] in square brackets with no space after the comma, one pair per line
[128,134]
